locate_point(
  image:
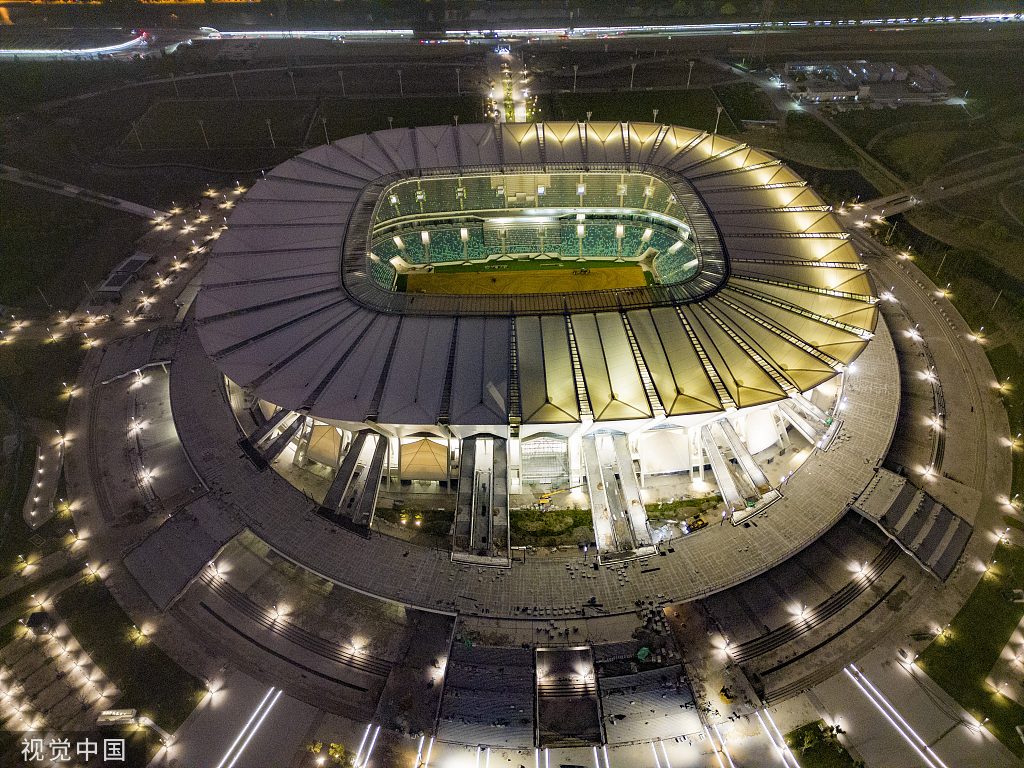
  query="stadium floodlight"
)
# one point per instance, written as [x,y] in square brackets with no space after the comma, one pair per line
[580,230]
[647,235]
[619,231]
[499,191]
[621,189]
[464,234]
[581,189]
[649,191]
[540,189]
[394,199]
[421,195]
[425,237]
[399,243]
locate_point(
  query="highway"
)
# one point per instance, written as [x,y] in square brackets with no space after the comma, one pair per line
[137,45]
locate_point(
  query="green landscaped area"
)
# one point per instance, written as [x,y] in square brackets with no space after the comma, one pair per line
[695,108]
[38,390]
[550,527]
[746,101]
[427,523]
[226,123]
[53,245]
[347,117]
[527,265]
[682,508]
[814,747]
[148,679]
[960,660]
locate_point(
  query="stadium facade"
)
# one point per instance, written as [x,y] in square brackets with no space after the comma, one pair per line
[750,305]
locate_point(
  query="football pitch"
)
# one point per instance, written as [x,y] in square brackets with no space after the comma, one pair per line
[498,281]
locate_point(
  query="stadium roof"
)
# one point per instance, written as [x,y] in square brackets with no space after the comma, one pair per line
[287,306]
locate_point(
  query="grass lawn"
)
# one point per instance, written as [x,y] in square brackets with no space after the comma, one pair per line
[960,660]
[1007,363]
[821,750]
[695,108]
[434,523]
[149,680]
[175,124]
[15,536]
[746,101]
[55,244]
[347,117]
[549,527]
[682,508]
[34,372]
[526,265]
[914,155]
[864,124]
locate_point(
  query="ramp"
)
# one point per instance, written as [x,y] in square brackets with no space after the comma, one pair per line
[481,518]
[352,497]
[630,489]
[599,510]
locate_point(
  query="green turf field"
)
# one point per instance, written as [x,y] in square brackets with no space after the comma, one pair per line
[498,281]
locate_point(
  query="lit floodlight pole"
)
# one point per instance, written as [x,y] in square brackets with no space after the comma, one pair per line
[575,67]
[632,74]
[391,122]
[655,114]
[456,121]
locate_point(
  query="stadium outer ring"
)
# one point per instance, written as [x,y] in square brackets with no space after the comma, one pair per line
[278,315]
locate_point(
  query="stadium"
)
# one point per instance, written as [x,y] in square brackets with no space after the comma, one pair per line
[619,311]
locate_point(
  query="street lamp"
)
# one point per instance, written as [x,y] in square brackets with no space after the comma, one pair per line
[690,73]
[575,67]
[718,117]
[632,74]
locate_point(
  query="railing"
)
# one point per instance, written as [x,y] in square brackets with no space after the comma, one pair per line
[710,277]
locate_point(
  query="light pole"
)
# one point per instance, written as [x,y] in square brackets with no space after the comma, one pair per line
[401,90]
[323,120]
[456,121]
[458,82]
[632,74]
[718,117]
[655,115]
[690,73]
[342,76]
[271,132]
[391,123]
[205,140]
[234,86]
[574,68]
[295,94]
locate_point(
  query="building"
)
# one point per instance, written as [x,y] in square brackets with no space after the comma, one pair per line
[752,305]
